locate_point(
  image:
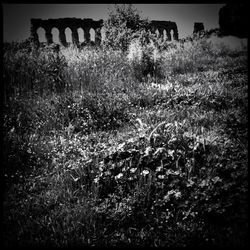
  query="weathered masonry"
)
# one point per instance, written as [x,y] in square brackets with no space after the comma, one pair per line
[198,27]
[61,24]
[168,26]
[86,24]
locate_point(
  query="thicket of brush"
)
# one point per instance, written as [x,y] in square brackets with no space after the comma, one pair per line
[139,147]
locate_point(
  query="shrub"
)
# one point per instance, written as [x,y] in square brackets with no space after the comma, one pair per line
[144,57]
[97,69]
[191,56]
[121,26]
[103,111]
[33,71]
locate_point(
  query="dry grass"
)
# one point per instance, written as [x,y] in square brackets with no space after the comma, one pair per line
[87,164]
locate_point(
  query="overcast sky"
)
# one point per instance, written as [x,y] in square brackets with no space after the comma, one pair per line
[16,17]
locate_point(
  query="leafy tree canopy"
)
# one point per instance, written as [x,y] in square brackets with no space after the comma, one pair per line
[124,23]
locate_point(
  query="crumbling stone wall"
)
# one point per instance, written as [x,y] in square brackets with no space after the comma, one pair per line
[61,24]
[233,20]
[198,27]
[168,26]
[86,24]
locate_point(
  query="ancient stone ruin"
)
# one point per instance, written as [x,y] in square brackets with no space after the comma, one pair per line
[61,24]
[233,20]
[198,27]
[86,24]
[168,26]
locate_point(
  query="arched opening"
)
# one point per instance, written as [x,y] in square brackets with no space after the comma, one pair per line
[92,34]
[161,34]
[68,34]
[41,35]
[55,35]
[153,29]
[172,34]
[157,33]
[168,35]
[80,35]
[103,33]
[165,35]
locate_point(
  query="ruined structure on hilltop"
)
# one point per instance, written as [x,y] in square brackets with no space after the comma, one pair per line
[233,20]
[61,24]
[198,27]
[168,26]
[86,24]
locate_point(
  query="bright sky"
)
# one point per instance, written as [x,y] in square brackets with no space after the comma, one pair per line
[16,17]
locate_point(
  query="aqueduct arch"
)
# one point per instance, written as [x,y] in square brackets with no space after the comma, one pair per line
[61,24]
[166,26]
[86,24]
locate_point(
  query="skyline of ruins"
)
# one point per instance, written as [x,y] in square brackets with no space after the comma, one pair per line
[16,17]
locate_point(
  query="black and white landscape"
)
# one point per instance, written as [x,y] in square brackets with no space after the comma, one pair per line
[128,134]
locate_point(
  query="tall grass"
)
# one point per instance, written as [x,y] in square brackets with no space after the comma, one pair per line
[112,148]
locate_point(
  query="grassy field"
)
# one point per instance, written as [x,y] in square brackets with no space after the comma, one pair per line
[140,148]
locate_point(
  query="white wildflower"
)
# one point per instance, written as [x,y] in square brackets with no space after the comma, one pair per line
[132,170]
[177,195]
[145,172]
[119,176]
[161,177]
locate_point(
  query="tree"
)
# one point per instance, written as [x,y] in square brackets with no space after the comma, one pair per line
[123,24]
